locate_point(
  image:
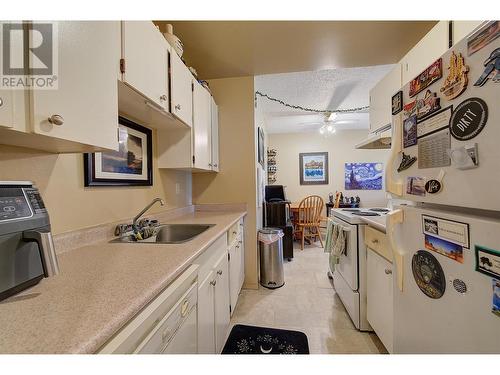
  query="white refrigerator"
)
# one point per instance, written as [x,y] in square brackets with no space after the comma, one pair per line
[445,163]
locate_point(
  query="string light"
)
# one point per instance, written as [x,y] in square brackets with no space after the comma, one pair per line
[294,106]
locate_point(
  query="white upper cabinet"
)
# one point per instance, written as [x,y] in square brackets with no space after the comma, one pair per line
[202,117]
[380,98]
[145,61]
[463,28]
[84,108]
[425,52]
[6,109]
[215,134]
[181,81]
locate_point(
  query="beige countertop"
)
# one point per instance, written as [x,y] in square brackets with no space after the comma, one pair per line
[99,289]
[378,222]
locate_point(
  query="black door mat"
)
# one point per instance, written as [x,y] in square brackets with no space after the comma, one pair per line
[261,340]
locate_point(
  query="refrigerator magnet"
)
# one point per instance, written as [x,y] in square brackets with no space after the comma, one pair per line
[397,103]
[491,70]
[482,37]
[487,261]
[410,131]
[428,274]
[468,119]
[448,249]
[406,162]
[495,309]
[434,185]
[449,230]
[415,186]
[456,81]
[426,78]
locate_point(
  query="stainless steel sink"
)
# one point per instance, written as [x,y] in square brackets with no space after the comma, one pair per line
[170,234]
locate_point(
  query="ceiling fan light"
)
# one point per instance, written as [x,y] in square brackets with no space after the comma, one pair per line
[332,117]
[322,130]
[330,128]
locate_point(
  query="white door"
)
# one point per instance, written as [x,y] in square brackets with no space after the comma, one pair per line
[215,135]
[146,63]
[6,109]
[87,97]
[206,314]
[181,95]
[202,127]
[348,262]
[242,255]
[463,28]
[234,273]
[456,322]
[379,297]
[222,315]
[463,184]
[425,52]
[380,105]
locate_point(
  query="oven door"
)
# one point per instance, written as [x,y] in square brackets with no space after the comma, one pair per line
[348,262]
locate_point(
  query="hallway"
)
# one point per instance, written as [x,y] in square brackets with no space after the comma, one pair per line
[308,303]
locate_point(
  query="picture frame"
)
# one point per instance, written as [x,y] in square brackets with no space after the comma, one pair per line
[313,167]
[260,144]
[131,165]
[363,176]
[487,261]
[397,103]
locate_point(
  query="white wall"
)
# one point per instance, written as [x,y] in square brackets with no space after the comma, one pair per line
[340,148]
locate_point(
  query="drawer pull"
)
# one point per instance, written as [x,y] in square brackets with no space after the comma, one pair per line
[56,120]
[213,282]
[234,232]
[375,241]
[219,272]
[178,107]
[388,271]
[184,308]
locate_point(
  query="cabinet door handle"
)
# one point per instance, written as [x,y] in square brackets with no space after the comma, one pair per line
[215,165]
[163,97]
[375,241]
[178,107]
[388,271]
[219,272]
[1,102]
[56,120]
[234,232]
[184,308]
[209,164]
[213,282]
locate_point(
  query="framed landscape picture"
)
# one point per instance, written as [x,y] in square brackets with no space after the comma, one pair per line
[131,165]
[313,168]
[363,176]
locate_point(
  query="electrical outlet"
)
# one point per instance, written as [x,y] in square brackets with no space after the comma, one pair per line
[177,188]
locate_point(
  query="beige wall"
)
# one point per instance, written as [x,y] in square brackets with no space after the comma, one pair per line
[72,206]
[235,183]
[340,148]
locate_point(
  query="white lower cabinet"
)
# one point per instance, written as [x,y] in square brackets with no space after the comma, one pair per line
[206,315]
[236,270]
[379,297]
[222,315]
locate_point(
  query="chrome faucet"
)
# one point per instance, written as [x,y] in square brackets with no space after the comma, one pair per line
[134,223]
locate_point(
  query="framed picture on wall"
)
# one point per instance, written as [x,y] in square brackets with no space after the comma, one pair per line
[313,168]
[363,176]
[260,142]
[131,165]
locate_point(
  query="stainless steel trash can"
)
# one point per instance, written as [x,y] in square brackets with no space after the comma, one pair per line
[271,257]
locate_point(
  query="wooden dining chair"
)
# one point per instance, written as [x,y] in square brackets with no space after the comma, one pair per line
[308,218]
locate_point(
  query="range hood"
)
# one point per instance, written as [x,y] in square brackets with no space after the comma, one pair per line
[380,139]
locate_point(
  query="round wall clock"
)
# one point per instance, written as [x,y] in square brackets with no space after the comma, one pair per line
[428,274]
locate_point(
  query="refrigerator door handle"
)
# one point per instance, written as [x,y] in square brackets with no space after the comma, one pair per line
[392,186]
[393,218]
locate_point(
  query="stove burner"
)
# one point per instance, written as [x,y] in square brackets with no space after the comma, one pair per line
[351,209]
[384,210]
[365,213]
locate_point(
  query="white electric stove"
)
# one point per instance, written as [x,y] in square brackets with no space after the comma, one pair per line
[349,275]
